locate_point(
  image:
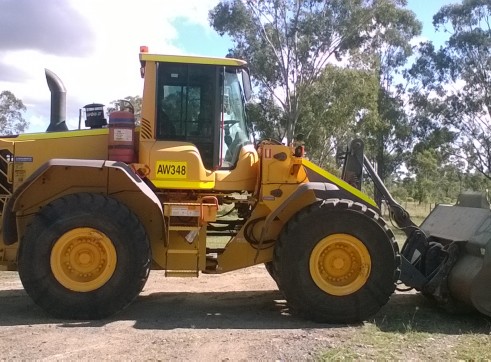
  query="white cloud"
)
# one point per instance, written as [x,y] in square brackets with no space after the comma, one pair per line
[51,26]
[109,68]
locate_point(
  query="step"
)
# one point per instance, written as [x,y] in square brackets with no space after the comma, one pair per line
[180,228]
[182,260]
[181,273]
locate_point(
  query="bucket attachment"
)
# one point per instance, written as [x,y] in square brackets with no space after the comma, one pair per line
[463,233]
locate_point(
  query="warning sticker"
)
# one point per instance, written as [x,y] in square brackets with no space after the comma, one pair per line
[123,135]
[184,211]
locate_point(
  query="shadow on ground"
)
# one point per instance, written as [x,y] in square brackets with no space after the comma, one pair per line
[245,310]
[265,309]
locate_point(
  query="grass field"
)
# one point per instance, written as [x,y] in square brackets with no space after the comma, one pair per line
[418,212]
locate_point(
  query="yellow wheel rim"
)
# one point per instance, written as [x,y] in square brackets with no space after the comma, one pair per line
[83,259]
[340,264]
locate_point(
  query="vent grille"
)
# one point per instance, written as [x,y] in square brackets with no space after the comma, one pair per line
[146,129]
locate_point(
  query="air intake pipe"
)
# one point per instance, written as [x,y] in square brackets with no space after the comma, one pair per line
[58,103]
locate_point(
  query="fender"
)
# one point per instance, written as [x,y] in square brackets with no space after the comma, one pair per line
[322,191]
[59,177]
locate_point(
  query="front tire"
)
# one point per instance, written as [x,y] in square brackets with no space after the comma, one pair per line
[84,256]
[269,266]
[336,262]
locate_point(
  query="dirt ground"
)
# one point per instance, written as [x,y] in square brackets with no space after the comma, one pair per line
[236,316]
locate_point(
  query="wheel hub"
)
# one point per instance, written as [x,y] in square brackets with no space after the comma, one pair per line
[83,259]
[340,264]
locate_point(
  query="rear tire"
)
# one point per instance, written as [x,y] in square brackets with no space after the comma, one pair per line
[270,269]
[336,262]
[84,256]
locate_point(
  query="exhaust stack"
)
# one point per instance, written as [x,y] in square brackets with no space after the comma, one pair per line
[58,103]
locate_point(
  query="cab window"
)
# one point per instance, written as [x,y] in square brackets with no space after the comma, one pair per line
[188,107]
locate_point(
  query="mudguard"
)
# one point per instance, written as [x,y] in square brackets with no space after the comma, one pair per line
[59,177]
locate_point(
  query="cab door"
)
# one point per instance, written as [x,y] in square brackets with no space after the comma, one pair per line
[189,107]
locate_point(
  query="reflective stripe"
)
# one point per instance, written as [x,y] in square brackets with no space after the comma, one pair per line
[337,181]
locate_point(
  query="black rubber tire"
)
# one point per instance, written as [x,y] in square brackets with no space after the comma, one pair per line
[270,269]
[299,238]
[102,213]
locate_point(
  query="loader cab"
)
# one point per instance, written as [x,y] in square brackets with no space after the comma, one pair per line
[201,101]
[193,132]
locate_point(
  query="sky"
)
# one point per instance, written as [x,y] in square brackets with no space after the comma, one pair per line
[93,46]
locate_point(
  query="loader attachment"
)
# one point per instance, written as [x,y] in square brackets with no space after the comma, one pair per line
[448,257]
[467,225]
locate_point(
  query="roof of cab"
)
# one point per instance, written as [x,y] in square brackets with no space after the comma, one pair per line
[191,59]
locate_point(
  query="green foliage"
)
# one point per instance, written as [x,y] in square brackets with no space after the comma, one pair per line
[425,166]
[400,193]
[390,137]
[453,92]
[387,52]
[288,44]
[11,109]
[337,108]
[135,101]
[435,120]
[268,118]
[437,178]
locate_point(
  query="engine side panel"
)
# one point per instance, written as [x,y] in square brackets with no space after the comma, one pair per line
[31,151]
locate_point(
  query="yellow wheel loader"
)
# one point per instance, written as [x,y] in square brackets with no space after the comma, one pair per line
[87,213]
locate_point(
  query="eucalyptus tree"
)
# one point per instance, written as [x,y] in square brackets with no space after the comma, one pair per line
[288,43]
[336,108]
[11,110]
[387,52]
[455,81]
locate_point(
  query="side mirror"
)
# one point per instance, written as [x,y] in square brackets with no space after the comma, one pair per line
[246,83]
